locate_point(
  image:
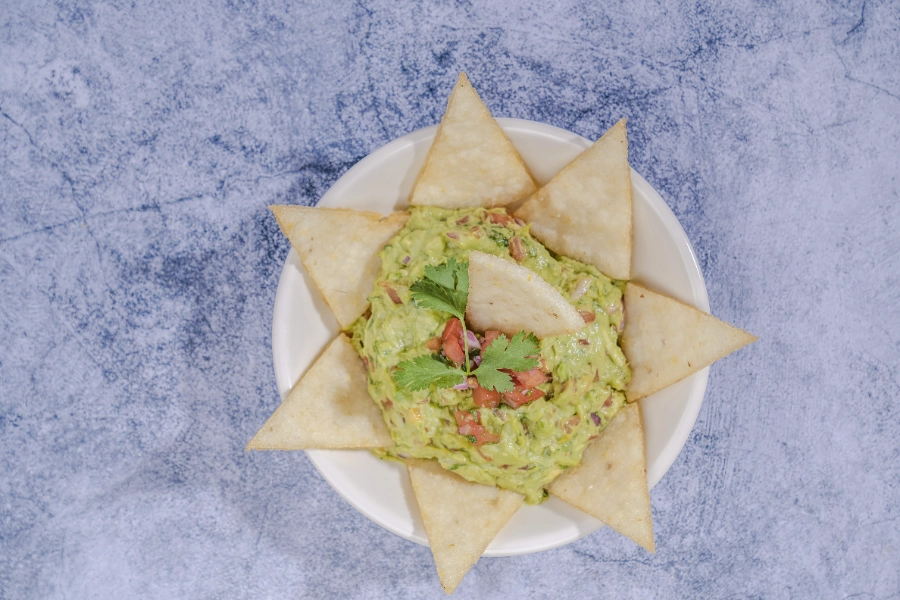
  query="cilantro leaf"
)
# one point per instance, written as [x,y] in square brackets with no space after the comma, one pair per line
[428,294]
[449,273]
[445,288]
[516,356]
[422,371]
[499,238]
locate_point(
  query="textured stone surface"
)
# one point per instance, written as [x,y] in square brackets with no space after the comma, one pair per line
[141,144]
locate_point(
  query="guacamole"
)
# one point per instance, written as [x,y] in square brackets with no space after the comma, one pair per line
[588,371]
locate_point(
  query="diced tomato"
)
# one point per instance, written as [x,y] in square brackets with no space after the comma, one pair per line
[499,218]
[468,425]
[451,341]
[486,437]
[453,350]
[485,398]
[517,248]
[520,396]
[453,328]
[587,315]
[463,417]
[531,378]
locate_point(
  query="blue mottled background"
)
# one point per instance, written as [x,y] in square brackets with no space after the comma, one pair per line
[142,142]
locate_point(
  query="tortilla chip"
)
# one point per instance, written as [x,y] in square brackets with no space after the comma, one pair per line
[339,248]
[610,483]
[461,518]
[330,407]
[513,298]
[471,161]
[665,340]
[585,211]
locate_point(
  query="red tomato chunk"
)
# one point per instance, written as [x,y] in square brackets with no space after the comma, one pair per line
[469,426]
[451,341]
[485,398]
[531,378]
[520,396]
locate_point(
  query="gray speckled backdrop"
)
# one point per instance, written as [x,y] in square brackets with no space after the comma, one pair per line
[142,142]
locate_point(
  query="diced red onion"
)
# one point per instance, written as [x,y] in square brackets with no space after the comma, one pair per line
[519,221]
[474,344]
[452,235]
[477,360]
[596,419]
[461,386]
[406,260]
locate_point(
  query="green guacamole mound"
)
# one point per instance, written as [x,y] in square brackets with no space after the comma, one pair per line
[538,440]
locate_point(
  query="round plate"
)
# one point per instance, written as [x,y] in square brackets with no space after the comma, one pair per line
[303,324]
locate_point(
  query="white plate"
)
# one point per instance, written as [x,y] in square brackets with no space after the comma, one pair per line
[302,325]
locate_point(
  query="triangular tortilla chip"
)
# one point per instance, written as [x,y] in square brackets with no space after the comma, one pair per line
[585,211]
[513,298]
[471,161]
[461,518]
[610,483]
[665,340]
[330,407]
[339,247]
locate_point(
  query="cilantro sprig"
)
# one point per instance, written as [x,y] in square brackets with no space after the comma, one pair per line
[446,288]
[518,355]
[420,372]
